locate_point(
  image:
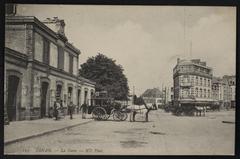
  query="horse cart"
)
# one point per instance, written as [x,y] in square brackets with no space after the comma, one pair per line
[102,108]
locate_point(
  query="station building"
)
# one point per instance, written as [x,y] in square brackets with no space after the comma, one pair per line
[41,67]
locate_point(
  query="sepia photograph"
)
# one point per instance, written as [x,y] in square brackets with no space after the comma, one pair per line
[119,79]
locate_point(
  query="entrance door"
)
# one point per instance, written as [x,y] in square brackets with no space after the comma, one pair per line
[13,86]
[69,94]
[85,97]
[78,97]
[58,92]
[44,88]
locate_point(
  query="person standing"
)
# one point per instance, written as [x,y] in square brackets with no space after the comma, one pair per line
[70,109]
[84,110]
[56,108]
[62,108]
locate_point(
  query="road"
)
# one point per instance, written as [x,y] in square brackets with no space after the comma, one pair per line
[164,134]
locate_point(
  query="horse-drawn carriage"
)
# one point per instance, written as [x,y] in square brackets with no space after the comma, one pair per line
[102,108]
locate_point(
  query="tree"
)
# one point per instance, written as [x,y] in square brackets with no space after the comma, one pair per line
[107,75]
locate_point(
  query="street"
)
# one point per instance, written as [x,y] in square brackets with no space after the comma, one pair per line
[164,134]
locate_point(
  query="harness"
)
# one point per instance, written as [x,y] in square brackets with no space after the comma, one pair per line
[139,109]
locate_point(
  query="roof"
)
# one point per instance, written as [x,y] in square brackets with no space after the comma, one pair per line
[86,80]
[14,20]
[155,92]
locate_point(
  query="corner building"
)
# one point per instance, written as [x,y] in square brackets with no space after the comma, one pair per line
[192,83]
[41,67]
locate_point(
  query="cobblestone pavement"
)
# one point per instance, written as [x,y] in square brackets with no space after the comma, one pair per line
[165,134]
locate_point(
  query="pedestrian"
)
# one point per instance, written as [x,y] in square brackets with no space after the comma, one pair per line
[78,109]
[84,110]
[62,108]
[70,109]
[56,108]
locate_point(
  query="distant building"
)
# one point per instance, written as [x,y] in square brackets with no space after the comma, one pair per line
[229,90]
[218,91]
[169,95]
[192,83]
[153,96]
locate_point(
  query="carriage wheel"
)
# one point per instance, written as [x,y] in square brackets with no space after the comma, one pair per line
[124,116]
[99,113]
[106,116]
[117,115]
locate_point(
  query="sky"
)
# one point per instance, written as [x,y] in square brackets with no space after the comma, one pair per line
[147,40]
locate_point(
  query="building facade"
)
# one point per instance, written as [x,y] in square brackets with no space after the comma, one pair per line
[41,67]
[153,96]
[218,91]
[192,83]
[229,91]
[223,91]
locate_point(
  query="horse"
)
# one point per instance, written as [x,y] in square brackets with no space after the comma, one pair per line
[140,109]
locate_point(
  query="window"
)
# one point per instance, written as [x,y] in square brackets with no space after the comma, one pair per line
[200,81]
[196,92]
[45,51]
[60,58]
[38,47]
[205,84]
[200,94]
[192,91]
[70,64]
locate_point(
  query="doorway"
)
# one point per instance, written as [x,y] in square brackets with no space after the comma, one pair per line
[69,94]
[44,90]
[78,97]
[13,97]
[85,96]
[58,92]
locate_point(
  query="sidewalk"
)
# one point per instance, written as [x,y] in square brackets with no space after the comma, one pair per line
[22,130]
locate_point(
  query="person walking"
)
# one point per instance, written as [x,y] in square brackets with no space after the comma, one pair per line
[70,109]
[84,110]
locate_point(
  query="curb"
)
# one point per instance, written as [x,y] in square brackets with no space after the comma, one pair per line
[43,133]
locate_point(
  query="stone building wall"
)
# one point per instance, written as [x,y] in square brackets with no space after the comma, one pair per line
[15,37]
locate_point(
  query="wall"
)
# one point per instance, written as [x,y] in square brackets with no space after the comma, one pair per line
[53,55]
[66,61]
[15,37]
[75,66]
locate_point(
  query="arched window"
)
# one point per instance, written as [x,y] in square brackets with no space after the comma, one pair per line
[200,94]
[197,80]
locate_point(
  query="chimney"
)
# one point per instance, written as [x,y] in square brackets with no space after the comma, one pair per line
[178,60]
[10,9]
[56,24]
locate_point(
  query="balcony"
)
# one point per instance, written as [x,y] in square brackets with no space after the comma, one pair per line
[186,84]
